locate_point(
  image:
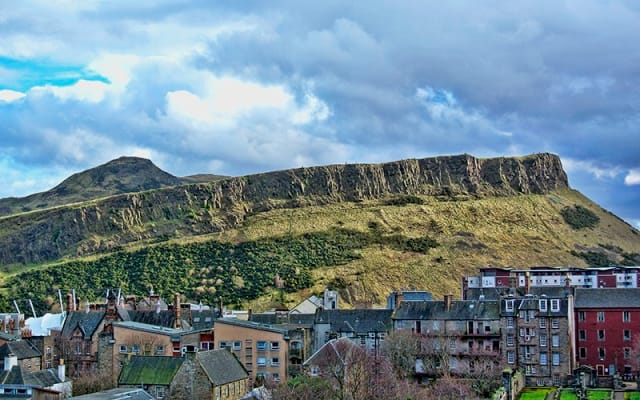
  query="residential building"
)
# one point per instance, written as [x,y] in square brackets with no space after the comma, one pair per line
[328,301]
[333,356]
[17,382]
[366,327]
[607,323]
[395,298]
[117,394]
[262,349]
[538,337]
[456,336]
[29,358]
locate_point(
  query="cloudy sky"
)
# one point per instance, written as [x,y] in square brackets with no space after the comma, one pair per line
[234,88]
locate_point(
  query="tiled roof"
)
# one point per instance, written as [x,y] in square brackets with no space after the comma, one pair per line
[43,378]
[117,394]
[21,349]
[161,330]
[251,325]
[221,366]
[460,310]
[162,318]
[608,298]
[150,370]
[363,320]
[87,321]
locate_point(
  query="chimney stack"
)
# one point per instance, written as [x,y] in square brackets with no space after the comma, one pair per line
[10,361]
[527,277]
[69,303]
[177,323]
[447,302]
[399,298]
[62,371]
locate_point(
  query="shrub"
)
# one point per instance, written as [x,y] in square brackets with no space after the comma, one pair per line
[404,200]
[579,217]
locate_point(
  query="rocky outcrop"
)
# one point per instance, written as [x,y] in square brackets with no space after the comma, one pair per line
[195,209]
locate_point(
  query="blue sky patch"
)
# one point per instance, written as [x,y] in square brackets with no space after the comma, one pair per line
[24,74]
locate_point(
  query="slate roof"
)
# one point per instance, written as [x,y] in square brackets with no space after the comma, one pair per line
[163,318]
[203,319]
[21,349]
[150,370]
[117,394]
[289,319]
[608,298]
[16,376]
[359,321]
[221,366]
[88,322]
[460,310]
[251,325]
[340,347]
[497,293]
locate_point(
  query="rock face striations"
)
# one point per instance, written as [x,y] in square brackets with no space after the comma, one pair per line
[106,224]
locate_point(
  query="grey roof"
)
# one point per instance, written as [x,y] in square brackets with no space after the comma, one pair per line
[117,394]
[162,318]
[87,321]
[339,347]
[221,366]
[203,319]
[497,293]
[359,321]
[608,298]
[251,325]
[21,349]
[288,319]
[460,310]
[16,376]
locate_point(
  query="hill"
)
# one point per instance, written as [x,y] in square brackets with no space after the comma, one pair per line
[364,229]
[122,175]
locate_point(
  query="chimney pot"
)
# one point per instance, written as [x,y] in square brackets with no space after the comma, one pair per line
[62,375]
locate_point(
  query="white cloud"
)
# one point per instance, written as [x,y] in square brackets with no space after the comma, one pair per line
[10,96]
[83,90]
[632,178]
[598,171]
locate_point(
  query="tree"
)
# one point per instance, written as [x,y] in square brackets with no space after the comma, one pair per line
[401,349]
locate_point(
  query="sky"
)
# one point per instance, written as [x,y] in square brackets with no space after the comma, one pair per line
[241,87]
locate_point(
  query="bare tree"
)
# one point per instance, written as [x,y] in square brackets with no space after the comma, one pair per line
[401,348]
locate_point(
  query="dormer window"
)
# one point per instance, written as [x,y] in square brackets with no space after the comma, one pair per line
[509,304]
[555,305]
[542,303]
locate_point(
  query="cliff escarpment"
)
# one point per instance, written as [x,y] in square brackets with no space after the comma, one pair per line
[108,224]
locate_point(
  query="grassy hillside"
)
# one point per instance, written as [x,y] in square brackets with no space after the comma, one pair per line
[364,249]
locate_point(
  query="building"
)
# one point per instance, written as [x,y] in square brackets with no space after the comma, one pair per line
[607,323]
[461,337]
[262,349]
[395,298]
[328,301]
[539,336]
[17,382]
[117,394]
[28,357]
[335,355]
[366,327]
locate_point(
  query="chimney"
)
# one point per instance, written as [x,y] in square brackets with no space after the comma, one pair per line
[61,371]
[69,303]
[220,307]
[157,307]
[87,306]
[177,323]
[399,297]
[527,277]
[447,302]
[10,361]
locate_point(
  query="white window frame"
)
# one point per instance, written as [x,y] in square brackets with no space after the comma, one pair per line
[511,357]
[509,305]
[555,305]
[542,305]
[555,358]
[626,316]
[123,349]
[555,340]
[543,358]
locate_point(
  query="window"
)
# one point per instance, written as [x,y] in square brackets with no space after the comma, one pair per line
[135,348]
[543,340]
[555,358]
[510,322]
[122,349]
[543,358]
[626,335]
[555,323]
[237,345]
[261,346]
[159,349]
[555,305]
[581,316]
[627,353]
[275,345]
[160,392]
[452,344]
[583,352]
[626,316]
[543,322]
[555,340]
[262,361]
[275,361]
[542,305]
[314,370]
[601,335]
[510,340]
[582,335]
[276,377]
[600,316]
[601,353]
[224,344]
[509,305]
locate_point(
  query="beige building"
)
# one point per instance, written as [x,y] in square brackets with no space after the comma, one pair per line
[262,349]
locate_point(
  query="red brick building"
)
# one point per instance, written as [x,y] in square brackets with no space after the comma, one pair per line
[607,322]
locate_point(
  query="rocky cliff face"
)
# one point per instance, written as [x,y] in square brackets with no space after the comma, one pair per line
[211,207]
